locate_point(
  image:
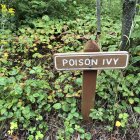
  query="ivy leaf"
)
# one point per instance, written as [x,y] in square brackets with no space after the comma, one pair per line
[37,55]
[137,109]
[46,18]
[57,106]
[131,101]
[32,72]
[66,107]
[14,71]
[2,81]
[79,81]
[18,89]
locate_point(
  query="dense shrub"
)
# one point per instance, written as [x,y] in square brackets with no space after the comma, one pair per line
[37,101]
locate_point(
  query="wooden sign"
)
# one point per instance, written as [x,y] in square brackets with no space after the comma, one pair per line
[91,60]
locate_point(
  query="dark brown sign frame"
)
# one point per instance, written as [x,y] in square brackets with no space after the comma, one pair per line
[91,60]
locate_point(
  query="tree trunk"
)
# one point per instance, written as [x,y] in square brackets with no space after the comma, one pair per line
[129,10]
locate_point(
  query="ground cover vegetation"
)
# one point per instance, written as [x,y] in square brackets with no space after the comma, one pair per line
[37,102]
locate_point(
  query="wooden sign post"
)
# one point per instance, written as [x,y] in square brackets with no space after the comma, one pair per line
[90,61]
[89,84]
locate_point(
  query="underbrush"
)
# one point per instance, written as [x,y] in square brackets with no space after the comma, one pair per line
[38,102]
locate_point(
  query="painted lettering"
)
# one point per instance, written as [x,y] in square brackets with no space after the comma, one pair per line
[71,62]
[81,62]
[115,61]
[65,61]
[76,62]
[108,61]
[103,61]
[94,61]
[87,61]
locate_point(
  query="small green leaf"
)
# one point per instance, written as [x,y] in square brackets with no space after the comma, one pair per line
[76,114]
[131,101]
[57,106]
[137,109]
[71,130]
[3,111]
[32,71]
[14,71]
[46,18]
[137,100]
[18,89]
[79,81]
[66,107]
[2,81]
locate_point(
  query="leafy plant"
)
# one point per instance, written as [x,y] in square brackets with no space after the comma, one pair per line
[36,100]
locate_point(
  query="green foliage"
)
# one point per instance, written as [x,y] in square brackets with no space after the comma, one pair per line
[109,6]
[135,35]
[6,17]
[35,100]
[124,119]
[20,103]
[97,114]
[34,8]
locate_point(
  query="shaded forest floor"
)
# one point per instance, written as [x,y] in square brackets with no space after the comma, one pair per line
[38,102]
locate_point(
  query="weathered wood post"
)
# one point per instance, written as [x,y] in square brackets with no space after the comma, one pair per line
[89,84]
